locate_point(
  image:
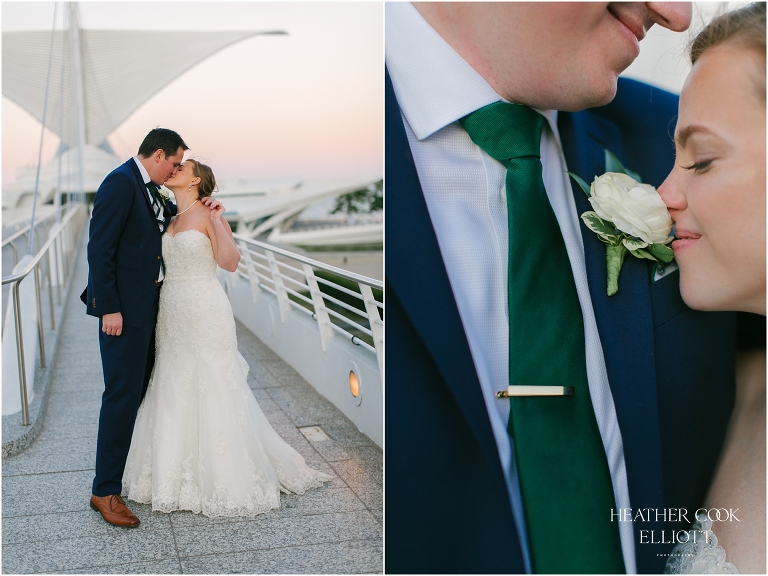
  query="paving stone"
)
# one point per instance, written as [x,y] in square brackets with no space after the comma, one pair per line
[72,553]
[266,532]
[68,426]
[154,567]
[331,451]
[82,524]
[303,405]
[36,493]
[352,557]
[344,432]
[370,458]
[281,370]
[366,486]
[58,455]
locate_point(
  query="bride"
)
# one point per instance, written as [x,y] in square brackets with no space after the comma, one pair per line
[716,196]
[200,441]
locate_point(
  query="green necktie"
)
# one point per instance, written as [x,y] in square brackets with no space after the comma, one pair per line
[157,205]
[564,477]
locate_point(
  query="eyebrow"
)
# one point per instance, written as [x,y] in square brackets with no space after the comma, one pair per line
[682,135]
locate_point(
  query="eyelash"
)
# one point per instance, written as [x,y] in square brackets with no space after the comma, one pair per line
[698,166]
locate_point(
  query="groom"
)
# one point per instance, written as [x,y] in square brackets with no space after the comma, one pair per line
[124,278]
[464,495]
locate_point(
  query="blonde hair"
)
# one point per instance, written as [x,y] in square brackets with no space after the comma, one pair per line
[207,184]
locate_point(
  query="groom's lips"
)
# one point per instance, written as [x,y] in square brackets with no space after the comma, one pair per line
[633,30]
[684,239]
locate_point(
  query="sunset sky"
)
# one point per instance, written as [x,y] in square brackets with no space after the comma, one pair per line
[308,104]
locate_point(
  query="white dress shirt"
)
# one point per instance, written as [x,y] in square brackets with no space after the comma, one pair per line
[147,180]
[464,189]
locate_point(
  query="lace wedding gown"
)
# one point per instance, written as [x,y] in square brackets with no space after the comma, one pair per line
[200,441]
[701,554]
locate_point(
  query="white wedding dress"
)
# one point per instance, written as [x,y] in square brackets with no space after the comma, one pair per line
[701,554]
[200,441]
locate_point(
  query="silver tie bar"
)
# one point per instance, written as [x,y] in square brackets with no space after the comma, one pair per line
[537,391]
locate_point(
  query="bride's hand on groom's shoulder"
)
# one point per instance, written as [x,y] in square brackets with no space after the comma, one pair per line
[217,208]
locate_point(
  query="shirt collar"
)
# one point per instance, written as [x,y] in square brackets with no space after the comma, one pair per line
[434,85]
[144,173]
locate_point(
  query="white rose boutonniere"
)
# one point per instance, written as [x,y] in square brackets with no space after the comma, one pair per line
[164,194]
[628,216]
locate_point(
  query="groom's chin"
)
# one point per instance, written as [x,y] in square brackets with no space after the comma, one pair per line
[589,95]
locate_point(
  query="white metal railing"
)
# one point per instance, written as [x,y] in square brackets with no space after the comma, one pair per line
[62,242]
[296,285]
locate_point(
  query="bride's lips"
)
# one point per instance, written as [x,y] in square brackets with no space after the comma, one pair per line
[684,239]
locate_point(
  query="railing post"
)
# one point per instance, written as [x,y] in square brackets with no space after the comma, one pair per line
[59,275]
[15,253]
[20,354]
[40,328]
[253,277]
[377,326]
[50,290]
[321,314]
[282,296]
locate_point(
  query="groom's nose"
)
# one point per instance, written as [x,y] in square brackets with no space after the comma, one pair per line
[673,15]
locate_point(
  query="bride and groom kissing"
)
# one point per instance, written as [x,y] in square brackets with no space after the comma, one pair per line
[179,427]
[525,406]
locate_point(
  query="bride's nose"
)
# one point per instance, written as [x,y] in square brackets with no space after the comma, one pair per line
[672,195]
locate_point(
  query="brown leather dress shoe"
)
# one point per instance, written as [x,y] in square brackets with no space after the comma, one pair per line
[114,510]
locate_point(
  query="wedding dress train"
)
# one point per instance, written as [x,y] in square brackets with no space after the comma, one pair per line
[200,441]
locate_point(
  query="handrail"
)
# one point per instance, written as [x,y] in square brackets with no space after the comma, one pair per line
[26,230]
[373,283]
[317,304]
[16,279]
[40,253]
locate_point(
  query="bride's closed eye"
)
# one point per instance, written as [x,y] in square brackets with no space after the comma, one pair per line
[698,167]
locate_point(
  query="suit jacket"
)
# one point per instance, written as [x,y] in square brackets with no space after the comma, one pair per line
[124,247]
[671,369]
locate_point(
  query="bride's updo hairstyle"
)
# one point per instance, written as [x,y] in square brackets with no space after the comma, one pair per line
[745,28]
[207,184]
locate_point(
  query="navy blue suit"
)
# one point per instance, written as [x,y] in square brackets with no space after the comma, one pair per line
[671,369]
[124,259]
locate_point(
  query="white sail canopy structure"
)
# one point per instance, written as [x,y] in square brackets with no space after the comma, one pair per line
[115,79]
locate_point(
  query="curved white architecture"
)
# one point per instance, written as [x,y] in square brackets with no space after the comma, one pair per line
[111,72]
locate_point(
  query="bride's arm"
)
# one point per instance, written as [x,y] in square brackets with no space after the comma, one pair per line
[224,248]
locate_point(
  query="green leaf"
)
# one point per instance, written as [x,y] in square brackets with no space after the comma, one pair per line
[663,253]
[597,224]
[613,164]
[614,258]
[634,243]
[642,253]
[580,182]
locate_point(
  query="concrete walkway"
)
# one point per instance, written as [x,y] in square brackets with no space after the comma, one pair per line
[48,527]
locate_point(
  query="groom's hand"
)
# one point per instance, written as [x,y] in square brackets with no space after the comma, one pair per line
[112,324]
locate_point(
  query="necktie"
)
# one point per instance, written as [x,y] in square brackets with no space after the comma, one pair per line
[564,477]
[157,205]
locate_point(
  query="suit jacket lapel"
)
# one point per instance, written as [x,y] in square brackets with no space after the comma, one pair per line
[421,282]
[142,187]
[625,324]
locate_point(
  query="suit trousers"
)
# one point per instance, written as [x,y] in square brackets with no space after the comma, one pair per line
[127,361]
